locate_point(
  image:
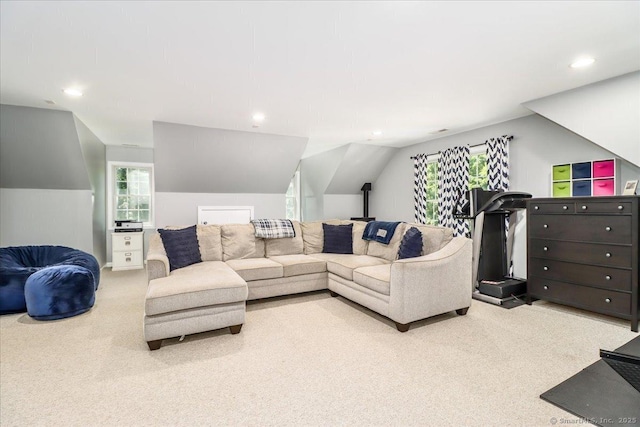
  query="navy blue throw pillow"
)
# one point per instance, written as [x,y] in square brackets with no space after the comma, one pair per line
[411,244]
[338,239]
[181,247]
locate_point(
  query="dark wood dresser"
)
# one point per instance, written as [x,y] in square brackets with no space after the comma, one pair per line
[583,252]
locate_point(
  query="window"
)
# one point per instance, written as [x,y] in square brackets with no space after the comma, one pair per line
[293,198]
[130,192]
[477,178]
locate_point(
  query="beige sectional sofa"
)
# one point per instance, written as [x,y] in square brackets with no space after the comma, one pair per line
[238,267]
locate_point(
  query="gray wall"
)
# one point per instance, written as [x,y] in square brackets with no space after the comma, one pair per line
[361,163]
[191,159]
[46,195]
[316,173]
[607,113]
[94,153]
[538,144]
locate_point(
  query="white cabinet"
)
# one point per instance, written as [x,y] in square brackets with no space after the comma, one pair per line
[126,251]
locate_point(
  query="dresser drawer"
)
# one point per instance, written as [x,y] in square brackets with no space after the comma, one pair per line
[604,277]
[586,253]
[125,242]
[542,208]
[127,260]
[620,208]
[600,229]
[599,300]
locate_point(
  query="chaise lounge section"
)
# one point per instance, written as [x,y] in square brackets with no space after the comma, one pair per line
[237,266]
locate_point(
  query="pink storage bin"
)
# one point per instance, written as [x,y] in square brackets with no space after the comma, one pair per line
[603,168]
[603,187]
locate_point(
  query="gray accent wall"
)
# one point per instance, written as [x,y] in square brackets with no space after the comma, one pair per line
[94,153]
[606,113]
[47,194]
[192,159]
[39,148]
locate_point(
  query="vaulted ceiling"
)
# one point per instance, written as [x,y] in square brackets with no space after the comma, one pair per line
[334,72]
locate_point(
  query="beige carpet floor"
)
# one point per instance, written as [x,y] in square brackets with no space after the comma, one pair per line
[308,360]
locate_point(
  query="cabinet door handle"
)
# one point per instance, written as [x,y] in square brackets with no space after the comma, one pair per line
[607,300]
[128,259]
[536,207]
[607,277]
[565,208]
[608,255]
[545,226]
[607,228]
[584,207]
[127,243]
[545,249]
[545,268]
[545,287]
[620,207]
[127,254]
[127,238]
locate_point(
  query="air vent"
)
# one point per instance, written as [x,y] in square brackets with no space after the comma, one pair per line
[50,102]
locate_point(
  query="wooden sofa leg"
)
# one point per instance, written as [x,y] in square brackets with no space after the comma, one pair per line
[333,294]
[154,345]
[235,329]
[462,311]
[403,327]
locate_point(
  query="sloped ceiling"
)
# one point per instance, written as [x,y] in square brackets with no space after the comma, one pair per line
[191,159]
[360,164]
[606,113]
[40,149]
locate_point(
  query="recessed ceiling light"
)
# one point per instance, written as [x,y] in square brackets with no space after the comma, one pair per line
[376,133]
[582,62]
[72,92]
[258,117]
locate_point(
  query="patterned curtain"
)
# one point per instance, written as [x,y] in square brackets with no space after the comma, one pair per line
[498,163]
[453,182]
[419,188]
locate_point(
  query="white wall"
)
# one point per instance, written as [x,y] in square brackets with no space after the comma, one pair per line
[606,112]
[182,208]
[46,217]
[343,206]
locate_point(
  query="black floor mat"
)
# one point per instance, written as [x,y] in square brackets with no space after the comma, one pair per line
[598,394]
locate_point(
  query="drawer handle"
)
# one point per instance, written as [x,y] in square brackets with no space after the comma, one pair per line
[545,249]
[545,226]
[127,254]
[545,268]
[565,208]
[608,255]
[536,207]
[607,228]
[607,277]
[127,238]
[607,300]
[584,207]
[545,287]
[620,207]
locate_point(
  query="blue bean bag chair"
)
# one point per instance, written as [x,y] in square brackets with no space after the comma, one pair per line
[17,264]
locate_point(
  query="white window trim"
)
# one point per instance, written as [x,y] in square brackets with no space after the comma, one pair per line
[111,196]
[296,187]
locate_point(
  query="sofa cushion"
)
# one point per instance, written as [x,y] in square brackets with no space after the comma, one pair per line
[256,268]
[390,251]
[377,278]
[434,238]
[297,265]
[338,239]
[181,247]
[239,242]
[286,246]
[359,244]
[313,236]
[198,285]
[209,242]
[411,244]
[343,265]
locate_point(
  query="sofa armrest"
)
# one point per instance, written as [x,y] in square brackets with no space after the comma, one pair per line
[431,284]
[157,260]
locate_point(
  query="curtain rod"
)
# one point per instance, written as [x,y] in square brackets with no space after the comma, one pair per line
[509,138]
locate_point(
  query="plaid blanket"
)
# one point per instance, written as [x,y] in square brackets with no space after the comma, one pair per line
[273,228]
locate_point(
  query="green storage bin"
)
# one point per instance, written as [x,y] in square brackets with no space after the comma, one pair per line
[561,172]
[562,189]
